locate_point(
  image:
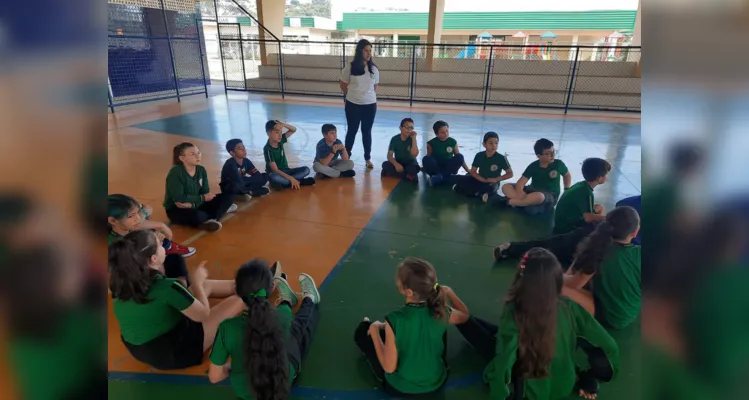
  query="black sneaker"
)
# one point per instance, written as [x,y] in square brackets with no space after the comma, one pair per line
[499,201]
[308,181]
[501,252]
[262,191]
[348,174]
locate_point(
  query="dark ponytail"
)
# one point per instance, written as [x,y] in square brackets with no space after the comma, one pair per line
[264,352]
[620,223]
[130,276]
[420,276]
[180,150]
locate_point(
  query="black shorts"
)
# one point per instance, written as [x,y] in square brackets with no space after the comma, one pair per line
[550,200]
[179,348]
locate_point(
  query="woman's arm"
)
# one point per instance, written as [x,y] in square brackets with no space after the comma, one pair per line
[344,86]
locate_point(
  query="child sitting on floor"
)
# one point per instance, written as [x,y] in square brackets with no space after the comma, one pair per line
[443,159]
[127,215]
[538,335]
[577,206]
[402,153]
[239,177]
[188,200]
[407,351]
[332,159]
[276,164]
[544,174]
[486,171]
[608,257]
[261,350]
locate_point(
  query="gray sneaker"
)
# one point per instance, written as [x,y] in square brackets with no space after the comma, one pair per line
[285,292]
[276,270]
[309,289]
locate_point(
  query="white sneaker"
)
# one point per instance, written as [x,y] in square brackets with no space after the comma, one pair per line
[232,209]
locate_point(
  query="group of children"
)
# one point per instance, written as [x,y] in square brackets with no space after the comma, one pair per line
[167,322]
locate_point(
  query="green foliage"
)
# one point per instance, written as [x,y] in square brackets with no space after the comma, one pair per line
[314,8]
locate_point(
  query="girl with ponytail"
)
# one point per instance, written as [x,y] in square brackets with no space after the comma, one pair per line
[163,323]
[188,199]
[605,276]
[539,333]
[407,351]
[266,343]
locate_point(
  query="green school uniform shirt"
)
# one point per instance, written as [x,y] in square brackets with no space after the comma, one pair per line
[183,188]
[112,237]
[276,155]
[490,167]
[141,323]
[401,149]
[443,151]
[617,285]
[546,179]
[573,322]
[420,340]
[576,201]
[229,342]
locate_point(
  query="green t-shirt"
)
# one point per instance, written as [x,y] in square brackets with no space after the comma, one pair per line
[141,323]
[617,285]
[276,155]
[420,340]
[575,201]
[573,322]
[490,167]
[546,179]
[229,342]
[183,188]
[401,149]
[112,237]
[442,151]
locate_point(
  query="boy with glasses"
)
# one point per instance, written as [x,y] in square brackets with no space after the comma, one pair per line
[402,154]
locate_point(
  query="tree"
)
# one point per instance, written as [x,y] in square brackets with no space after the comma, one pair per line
[314,8]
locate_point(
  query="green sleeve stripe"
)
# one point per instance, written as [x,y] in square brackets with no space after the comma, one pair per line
[176,286]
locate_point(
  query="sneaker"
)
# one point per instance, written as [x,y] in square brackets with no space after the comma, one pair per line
[308,181]
[309,289]
[501,252]
[211,225]
[261,191]
[276,270]
[285,293]
[455,187]
[243,197]
[181,250]
[500,201]
[370,165]
[232,209]
[348,174]
[435,179]
[485,197]
[319,176]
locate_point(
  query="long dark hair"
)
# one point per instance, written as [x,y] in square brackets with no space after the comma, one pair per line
[620,223]
[264,351]
[420,276]
[118,206]
[357,65]
[180,150]
[535,294]
[130,276]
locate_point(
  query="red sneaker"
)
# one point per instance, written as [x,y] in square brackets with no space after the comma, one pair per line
[180,250]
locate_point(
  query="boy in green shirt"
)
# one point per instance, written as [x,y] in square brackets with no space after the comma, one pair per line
[443,159]
[577,206]
[544,175]
[276,164]
[486,171]
[402,153]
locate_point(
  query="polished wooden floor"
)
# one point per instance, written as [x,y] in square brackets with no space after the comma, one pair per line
[351,233]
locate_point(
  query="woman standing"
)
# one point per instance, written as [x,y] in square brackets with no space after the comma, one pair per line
[359,83]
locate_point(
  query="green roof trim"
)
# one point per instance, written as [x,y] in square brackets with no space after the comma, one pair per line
[339,25]
[481,21]
[307,22]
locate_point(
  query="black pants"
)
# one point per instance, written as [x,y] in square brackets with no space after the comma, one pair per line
[248,185]
[366,345]
[449,167]
[470,186]
[563,246]
[409,168]
[175,267]
[214,209]
[302,328]
[360,114]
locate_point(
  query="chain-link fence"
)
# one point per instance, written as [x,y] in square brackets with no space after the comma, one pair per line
[154,53]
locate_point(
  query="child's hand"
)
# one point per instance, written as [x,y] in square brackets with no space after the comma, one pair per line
[166,231]
[598,209]
[159,237]
[209,196]
[200,274]
[183,205]
[294,183]
[413,133]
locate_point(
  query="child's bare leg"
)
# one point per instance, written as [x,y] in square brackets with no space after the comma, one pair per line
[580,296]
[530,199]
[219,289]
[231,307]
[508,189]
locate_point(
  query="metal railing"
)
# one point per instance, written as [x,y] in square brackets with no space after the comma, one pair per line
[565,77]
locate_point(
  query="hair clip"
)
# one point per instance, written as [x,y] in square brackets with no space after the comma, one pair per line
[523,261]
[259,293]
[436,285]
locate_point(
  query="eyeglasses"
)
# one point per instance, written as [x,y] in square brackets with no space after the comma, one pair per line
[550,153]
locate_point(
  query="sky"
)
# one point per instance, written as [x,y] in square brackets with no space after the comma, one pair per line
[486,5]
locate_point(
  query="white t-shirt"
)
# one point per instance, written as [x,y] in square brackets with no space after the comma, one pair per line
[361,88]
